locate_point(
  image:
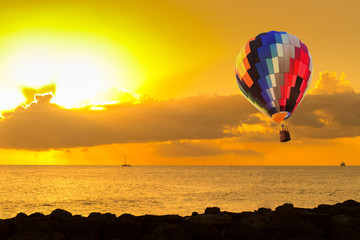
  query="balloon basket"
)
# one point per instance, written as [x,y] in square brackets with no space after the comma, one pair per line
[284,136]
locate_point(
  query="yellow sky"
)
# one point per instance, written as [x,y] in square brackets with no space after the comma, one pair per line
[152,68]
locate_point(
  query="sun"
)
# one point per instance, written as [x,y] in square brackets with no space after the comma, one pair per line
[82,66]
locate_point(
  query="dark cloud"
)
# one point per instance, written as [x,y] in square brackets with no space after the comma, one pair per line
[328,116]
[44,125]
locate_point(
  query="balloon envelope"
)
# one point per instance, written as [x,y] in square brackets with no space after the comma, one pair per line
[273,71]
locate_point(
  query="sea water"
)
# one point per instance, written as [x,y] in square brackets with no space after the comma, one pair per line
[160,190]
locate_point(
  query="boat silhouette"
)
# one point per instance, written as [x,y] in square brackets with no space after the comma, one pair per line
[126,165]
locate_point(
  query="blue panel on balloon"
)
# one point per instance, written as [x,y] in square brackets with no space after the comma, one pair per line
[262,84]
[271,37]
[264,40]
[278,38]
[273,50]
[261,53]
[264,66]
[267,52]
[270,65]
[259,69]
[266,97]
[268,81]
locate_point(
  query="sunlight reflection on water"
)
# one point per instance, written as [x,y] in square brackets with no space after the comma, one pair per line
[179,190]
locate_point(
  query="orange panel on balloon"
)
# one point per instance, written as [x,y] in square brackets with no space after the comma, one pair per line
[248,80]
[246,63]
[278,117]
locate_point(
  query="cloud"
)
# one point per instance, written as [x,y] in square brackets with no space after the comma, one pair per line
[44,125]
[329,83]
[328,116]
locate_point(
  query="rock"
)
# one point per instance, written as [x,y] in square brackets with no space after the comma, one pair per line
[215,220]
[321,221]
[21,215]
[109,215]
[287,208]
[36,215]
[39,225]
[60,215]
[122,228]
[330,222]
[348,208]
[127,215]
[94,215]
[194,214]
[286,225]
[202,232]
[238,230]
[256,220]
[346,221]
[151,222]
[57,236]
[83,228]
[345,227]
[168,231]
[212,210]
[4,229]
[351,203]
[264,211]
[30,236]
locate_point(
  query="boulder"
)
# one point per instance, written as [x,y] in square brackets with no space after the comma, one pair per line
[95,215]
[4,229]
[215,220]
[285,225]
[202,232]
[212,210]
[152,222]
[83,228]
[38,224]
[264,211]
[30,236]
[238,230]
[36,215]
[287,208]
[168,231]
[194,213]
[351,203]
[121,228]
[60,215]
[349,208]
[345,227]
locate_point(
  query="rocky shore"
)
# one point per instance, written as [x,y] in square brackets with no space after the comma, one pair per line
[339,221]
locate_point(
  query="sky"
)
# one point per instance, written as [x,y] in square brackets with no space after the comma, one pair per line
[88,82]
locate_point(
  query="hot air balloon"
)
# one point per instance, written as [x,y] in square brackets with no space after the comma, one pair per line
[273,71]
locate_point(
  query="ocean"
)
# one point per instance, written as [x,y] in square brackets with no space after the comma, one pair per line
[161,190]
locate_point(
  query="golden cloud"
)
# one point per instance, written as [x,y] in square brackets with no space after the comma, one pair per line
[329,83]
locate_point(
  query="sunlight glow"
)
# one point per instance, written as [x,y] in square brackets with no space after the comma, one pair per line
[81,67]
[96,108]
